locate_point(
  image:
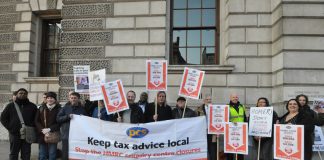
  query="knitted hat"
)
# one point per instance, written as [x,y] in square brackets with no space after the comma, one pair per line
[51,94]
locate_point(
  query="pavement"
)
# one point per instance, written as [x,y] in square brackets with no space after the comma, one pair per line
[4,151]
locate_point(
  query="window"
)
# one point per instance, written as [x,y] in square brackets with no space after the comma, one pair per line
[50,44]
[194,32]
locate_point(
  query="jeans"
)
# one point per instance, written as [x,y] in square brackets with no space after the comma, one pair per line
[18,145]
[47,150]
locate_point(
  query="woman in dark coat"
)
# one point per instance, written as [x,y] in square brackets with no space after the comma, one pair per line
[266,146]
[45,121]
[295,116]
[164,111]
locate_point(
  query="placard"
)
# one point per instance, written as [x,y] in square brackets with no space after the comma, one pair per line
[156,75]
[97,78]
[236,138]
[288,142]
[318,140]
[114,97]
[81,79]
[260,121]
[191,83]
[217,116]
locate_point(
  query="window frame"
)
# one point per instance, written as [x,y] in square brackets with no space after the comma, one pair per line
[216,28]
[44,56]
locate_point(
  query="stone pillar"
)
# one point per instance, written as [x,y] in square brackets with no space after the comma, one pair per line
[248,47]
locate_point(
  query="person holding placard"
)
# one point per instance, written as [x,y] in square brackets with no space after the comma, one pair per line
[211,138]
[163,112]
[180,108]
[237,114]
[266,146]
[134,114]
[102,114]
[296,117]
[64,117]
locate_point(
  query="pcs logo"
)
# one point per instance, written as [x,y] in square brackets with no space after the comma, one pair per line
[137,132]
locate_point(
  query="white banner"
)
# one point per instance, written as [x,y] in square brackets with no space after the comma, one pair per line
[156,75]
[191,83]
[260,123]
[97,78]
[217,116]
[288,141]
[81,79]
[94,139]
[318,140]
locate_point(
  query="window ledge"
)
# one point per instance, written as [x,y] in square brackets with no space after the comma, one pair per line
[206,68]
[42,80]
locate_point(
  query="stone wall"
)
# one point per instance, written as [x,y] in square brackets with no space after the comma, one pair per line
[116,35]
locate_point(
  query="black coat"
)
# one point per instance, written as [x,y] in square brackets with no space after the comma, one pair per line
[63,118]
[50,120]
[304,119]
[10,119]
[164,112]
[177,113]
[136,115]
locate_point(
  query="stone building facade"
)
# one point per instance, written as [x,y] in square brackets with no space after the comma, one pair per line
[269,48]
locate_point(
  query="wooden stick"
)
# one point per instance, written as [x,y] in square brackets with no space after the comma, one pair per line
[236,156]
[259,148]
[184,111]
[155,107]
[98,110]
[319,154]
[217,150]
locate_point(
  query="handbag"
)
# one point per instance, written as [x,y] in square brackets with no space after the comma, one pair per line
[51,137]
[27,133]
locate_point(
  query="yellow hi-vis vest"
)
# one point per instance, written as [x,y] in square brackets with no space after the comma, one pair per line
[237,117]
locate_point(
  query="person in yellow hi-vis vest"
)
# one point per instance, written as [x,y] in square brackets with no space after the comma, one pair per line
[237,114]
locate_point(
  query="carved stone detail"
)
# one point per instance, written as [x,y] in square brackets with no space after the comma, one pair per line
[86,38]
[66,81]
[9,18]
[87,10]
[81,52]
[82,24]
[5,67]
[7,8]
[8,57]
[5,87]
[63,94]
[8,37]
[51,4]
[4,98]
[9,1]
[5,48]
[85,1]
[6,27]
[66,66]
[8,77]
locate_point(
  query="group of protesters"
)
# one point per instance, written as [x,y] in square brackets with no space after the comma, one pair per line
[50,116]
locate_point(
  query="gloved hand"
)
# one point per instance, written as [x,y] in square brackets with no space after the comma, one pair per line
[46,130]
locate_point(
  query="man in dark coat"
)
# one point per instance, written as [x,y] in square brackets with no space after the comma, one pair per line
[10,120]
[177,112]
[64,117]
